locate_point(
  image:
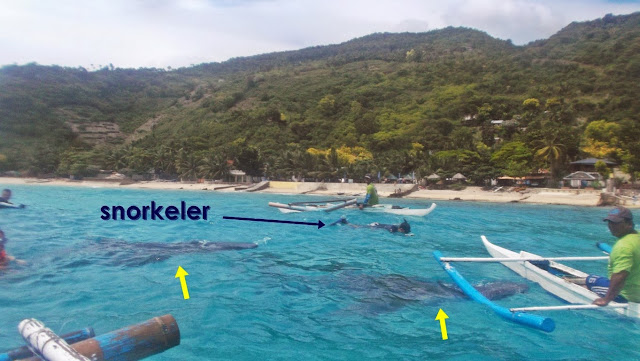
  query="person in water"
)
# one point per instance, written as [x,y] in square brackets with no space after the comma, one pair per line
[6,195]
[403,227]
[371,198]
[623,284]
[4,257]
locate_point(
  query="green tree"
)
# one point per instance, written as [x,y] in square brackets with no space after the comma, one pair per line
[117,159]
[514,159]
[603,169]
[327,105]
[214,166]
[250,161]
[551,152]
[601,139]
[188,165]
[3,161]
[630,147]
[164,160]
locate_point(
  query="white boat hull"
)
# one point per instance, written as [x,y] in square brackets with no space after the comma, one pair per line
[313,206]
[378,208]
[553,284]
[388,208]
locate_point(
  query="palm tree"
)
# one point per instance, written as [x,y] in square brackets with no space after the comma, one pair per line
[117,159]
[138,160]
[214,166]
[163,160]
[187,165]
[294,161]
[550,151]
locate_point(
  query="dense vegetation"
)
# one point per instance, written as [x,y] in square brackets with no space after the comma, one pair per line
[393,103]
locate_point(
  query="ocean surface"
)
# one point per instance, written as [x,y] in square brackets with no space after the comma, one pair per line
[337,293]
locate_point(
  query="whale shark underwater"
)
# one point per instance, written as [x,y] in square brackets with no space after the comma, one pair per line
[115,252]
[378,293]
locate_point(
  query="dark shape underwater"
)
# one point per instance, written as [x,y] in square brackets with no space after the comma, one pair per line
[132,254]
[387,293]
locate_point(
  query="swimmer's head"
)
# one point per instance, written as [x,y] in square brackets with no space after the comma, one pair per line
[404,227]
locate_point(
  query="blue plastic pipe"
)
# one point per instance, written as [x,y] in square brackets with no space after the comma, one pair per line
[605,247]
[538,322]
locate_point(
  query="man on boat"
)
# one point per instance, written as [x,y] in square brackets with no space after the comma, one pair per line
[403,227]
[624,262]
[372,194]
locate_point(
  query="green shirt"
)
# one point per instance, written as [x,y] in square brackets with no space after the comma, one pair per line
[625,256]
[372,195]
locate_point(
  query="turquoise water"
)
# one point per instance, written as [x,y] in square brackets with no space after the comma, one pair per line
[303,293]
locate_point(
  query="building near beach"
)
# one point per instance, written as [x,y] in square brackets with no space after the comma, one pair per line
[582,179]
[589,164]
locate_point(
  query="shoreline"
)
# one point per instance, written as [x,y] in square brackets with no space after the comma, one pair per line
[547,196]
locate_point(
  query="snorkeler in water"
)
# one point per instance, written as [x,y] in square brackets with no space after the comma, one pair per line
[5,196]
[4,257]
[403,227]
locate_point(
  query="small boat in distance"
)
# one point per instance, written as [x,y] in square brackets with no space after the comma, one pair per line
[334,204]
[313,206]
[401,211]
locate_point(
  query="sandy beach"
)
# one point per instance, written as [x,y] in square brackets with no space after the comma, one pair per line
[531,195]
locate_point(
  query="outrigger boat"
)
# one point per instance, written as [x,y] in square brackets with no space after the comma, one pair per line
[401,211]
[325,205]
[547,272]
[334,204]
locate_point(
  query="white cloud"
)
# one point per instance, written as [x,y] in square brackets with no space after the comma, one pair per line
[164,33]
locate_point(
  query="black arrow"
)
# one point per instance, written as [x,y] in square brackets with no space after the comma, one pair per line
[319,223]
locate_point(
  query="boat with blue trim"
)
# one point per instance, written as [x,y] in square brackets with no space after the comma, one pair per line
[556,278]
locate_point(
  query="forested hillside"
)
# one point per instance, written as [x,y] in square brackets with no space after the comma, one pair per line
[393,103]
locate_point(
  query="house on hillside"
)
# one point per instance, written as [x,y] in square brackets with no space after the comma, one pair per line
[589,164]
[582,179]
[505,123]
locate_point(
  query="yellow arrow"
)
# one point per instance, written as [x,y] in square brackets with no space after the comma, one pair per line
[183,282]
[443,326]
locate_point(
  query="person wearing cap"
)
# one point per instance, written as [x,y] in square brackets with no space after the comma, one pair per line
[372,194]
[624,262]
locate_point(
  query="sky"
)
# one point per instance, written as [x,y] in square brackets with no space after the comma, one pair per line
[179,33]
